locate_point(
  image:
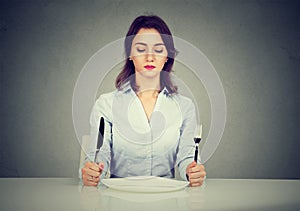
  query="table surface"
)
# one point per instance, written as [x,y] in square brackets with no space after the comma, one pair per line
[217,194]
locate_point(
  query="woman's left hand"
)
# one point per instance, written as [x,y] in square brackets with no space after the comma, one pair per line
[196,174]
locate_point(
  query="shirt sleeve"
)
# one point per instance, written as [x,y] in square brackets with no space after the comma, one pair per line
[186,148]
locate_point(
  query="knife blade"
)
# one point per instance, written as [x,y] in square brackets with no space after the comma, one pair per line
[100,137]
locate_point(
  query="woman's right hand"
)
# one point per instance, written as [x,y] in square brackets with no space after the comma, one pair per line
[91,173]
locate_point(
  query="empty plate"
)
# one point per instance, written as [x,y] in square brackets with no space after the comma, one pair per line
[145,184]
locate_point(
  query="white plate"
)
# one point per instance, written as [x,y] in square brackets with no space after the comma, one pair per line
[142,184]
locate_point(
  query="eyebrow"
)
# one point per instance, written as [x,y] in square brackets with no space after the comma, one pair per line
[145,44]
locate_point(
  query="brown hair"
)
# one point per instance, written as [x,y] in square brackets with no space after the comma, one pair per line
[148,22]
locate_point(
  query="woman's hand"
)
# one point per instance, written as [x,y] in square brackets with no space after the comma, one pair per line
[91,173]
[196,173]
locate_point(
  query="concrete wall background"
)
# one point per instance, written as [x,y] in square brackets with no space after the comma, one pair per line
[254,46]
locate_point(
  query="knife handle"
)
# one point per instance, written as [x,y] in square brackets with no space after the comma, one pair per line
[96,155]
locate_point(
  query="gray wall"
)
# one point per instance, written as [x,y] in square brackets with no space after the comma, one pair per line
[254,46]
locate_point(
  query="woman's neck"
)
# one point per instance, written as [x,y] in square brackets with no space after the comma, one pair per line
[148,87]
[148,94]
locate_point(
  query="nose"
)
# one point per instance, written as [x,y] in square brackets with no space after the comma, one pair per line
[150,57]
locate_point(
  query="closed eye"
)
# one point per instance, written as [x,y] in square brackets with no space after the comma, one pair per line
[158,51]
[159,48]
[140,50]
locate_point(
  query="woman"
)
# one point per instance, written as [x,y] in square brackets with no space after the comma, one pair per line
[149,127]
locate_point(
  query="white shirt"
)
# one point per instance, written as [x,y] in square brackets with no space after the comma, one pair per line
[134,146]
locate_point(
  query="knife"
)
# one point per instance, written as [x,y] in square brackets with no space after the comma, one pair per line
[100,137]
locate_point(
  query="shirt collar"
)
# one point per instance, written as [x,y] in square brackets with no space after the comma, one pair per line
[127,88]
[165,91]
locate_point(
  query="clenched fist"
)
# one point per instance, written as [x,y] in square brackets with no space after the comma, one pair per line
[91,173]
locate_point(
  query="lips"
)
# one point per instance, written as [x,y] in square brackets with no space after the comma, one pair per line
[149,67]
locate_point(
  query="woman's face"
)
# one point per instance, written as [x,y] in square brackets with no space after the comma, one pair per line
[148,52]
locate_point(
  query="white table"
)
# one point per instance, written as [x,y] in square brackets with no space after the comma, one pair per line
[218,194]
